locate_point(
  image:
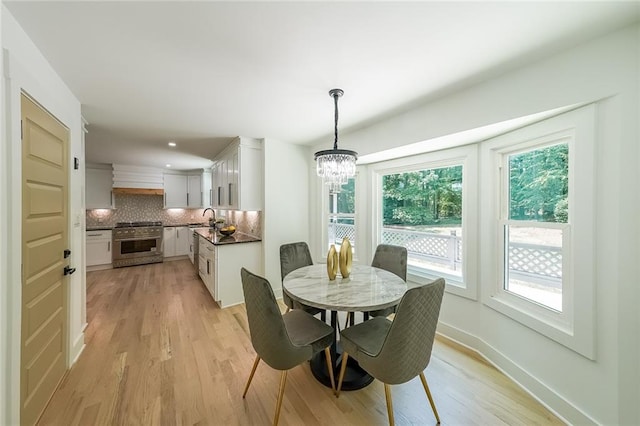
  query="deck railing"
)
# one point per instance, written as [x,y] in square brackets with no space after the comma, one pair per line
[530,262]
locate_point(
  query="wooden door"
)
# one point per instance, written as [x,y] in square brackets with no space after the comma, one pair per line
[45,145]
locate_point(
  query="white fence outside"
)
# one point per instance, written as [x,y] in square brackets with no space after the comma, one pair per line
[530,262]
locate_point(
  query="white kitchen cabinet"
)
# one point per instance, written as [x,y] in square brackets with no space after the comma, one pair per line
[99,188]
[220,269]
[187,190]
[98,248]
[237,181]
[175,191]
[169,242]
[207,193]
[175,241]
[206,265]
[194,190]
[183,236]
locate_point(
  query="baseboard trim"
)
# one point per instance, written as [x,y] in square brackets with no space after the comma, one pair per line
[546,396]
[78,347]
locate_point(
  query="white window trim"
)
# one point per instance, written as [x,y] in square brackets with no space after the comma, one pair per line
[468,157]
[575,326]
[324,218]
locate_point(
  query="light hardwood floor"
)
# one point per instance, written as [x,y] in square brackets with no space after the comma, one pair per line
[160,352]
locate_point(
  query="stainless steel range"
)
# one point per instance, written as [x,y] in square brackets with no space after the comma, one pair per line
[137,243]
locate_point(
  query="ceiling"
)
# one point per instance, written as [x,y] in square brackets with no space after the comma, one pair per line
[200,73]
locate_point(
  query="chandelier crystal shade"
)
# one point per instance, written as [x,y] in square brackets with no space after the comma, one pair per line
[335,166]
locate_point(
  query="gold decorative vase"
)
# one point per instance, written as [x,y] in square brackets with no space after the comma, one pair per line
[332,263]
[346,258]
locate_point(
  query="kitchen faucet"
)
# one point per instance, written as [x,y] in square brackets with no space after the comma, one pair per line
[212,221]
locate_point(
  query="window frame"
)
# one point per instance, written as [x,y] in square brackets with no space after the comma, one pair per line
[357,244]
[467,156]
[574,327]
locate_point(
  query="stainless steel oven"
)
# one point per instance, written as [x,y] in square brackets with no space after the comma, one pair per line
[137,243]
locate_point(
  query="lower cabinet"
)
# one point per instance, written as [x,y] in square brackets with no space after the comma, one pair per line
[98,248]
[219,269]
[176,241]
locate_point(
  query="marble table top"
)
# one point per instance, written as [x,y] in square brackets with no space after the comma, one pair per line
[366,289]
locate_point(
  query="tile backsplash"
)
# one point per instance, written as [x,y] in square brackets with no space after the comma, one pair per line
[134,208]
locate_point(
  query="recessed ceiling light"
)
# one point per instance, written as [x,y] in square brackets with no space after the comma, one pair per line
[168,165]
[172,144]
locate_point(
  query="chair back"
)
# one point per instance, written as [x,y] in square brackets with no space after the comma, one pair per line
[392,259]
[294,256]
[407,348]
[268,333]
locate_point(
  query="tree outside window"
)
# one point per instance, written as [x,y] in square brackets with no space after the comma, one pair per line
[422,211]
[538,182]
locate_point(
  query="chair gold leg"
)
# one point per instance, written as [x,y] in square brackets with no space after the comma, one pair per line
[283,381]
[387,394]
[327,356]
[426,389]
[343,368]
[253,370]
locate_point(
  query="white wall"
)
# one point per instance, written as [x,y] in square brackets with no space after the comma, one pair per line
[4,242]
[605,71]
[25,69]
[286,203]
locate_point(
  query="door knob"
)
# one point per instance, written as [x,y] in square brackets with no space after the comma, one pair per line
[67,253]
[69,271]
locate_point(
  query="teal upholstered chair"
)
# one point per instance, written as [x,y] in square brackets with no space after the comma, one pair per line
[294,256]
[282,341]
[395,352]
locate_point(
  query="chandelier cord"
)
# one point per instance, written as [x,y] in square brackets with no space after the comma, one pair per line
[335,101]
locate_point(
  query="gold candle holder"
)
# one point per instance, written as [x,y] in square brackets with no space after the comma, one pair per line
[332,263]
[346,258]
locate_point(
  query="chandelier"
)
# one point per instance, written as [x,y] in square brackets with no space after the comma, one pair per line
[335,166]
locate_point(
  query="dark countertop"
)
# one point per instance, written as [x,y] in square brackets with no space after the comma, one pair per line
[190,224]
[219,239]
[99,228]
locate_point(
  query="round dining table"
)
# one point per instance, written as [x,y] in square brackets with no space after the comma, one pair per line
[366,289]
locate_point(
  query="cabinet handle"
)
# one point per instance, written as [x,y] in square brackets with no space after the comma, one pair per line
[202,198]
[219,188]
[210,196]
[187,198]
[108,245]
[94,235]
[230,195]
[208,267]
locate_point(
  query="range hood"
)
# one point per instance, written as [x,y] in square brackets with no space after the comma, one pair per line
[137,180]
[138,191]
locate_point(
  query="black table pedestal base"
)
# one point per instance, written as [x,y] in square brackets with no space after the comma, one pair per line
[354,376]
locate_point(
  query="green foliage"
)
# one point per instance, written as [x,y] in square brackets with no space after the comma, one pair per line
[538,184]
[424,197]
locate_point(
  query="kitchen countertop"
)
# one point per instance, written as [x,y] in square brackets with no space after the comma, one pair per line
[99,228]
[219,239]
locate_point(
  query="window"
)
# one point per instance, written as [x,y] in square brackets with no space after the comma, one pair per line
[422,211]
[537,227]
[535,222]
[428,204]
[341,216]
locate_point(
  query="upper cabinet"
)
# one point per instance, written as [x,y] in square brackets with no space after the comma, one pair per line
[237,176]
[175,190]
[187,190]
[98,187]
